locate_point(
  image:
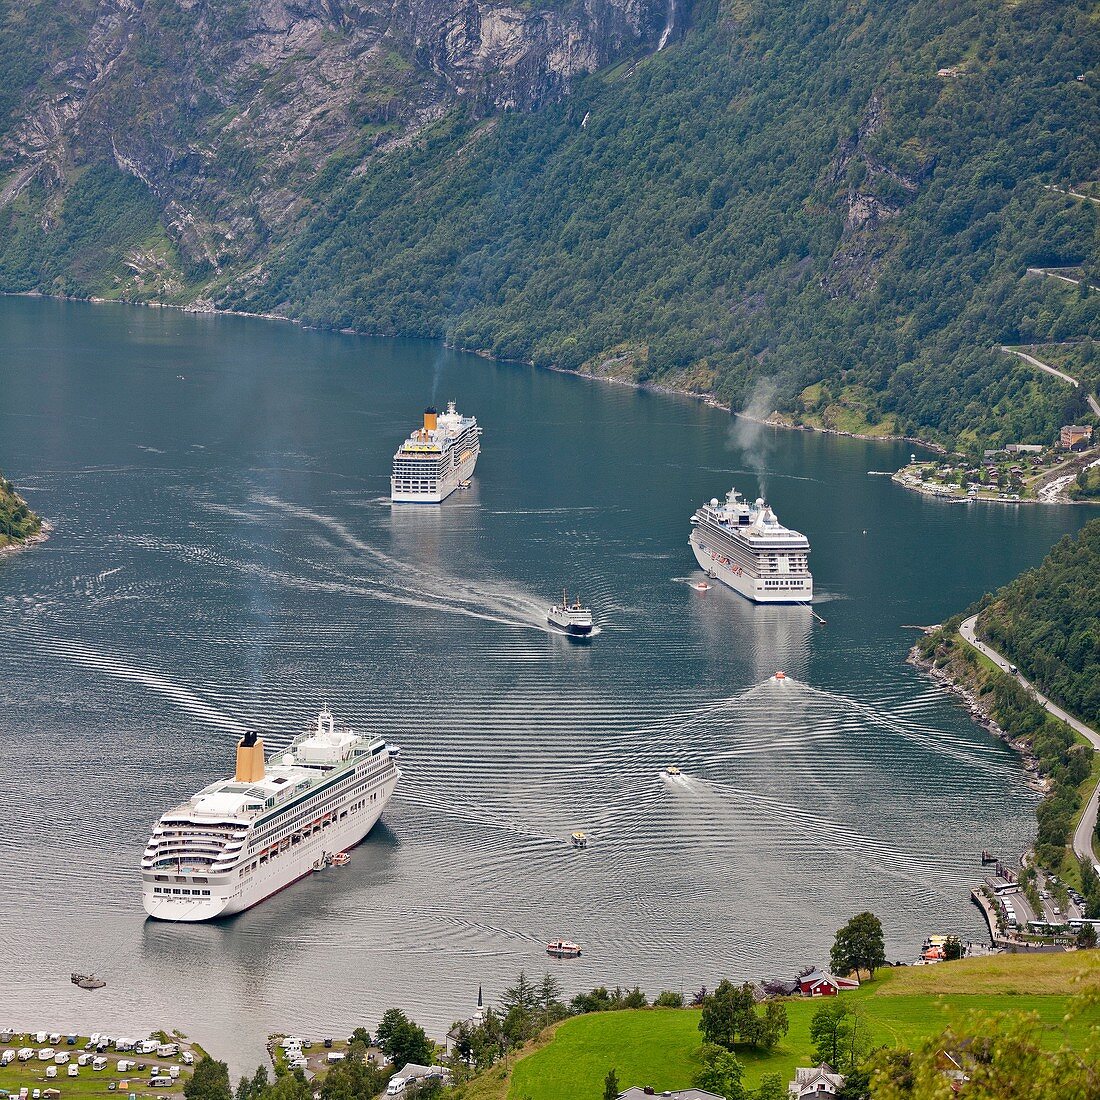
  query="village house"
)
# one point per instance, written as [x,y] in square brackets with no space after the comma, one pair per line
[815,1081]
[415,1074]
[819,984]
[637,1092]
[1075,435]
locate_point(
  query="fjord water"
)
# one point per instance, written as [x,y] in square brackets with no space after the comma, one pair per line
[225,557]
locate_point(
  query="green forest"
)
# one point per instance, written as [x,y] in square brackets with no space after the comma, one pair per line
[1047,622]
[695,218]
[824,209]
[17,522]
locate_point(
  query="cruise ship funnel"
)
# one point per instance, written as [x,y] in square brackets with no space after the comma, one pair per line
[250,759]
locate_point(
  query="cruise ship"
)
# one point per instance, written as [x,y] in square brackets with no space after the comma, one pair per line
[745,546]
[240,840]
[436,459]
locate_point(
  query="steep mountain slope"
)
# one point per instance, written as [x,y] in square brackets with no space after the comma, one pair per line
[822,207]
[225,109]
[791,194]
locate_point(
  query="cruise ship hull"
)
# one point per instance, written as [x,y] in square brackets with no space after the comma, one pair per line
[232,893]
[751,588]
[448,483]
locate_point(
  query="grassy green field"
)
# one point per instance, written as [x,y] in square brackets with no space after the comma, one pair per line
[903,1007]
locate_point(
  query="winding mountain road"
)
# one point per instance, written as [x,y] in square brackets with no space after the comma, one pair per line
[1051,370]
[1082,838]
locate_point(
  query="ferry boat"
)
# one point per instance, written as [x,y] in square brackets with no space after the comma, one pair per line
[573,618]
[436,459]
[746,547]
[563,949]
[242,839]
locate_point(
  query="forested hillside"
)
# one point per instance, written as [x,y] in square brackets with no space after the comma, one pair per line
[1047,622]
[826,209]
[791,194]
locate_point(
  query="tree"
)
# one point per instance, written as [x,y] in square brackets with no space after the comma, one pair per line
[668,998]
[840,1036]
[774,1025]
[524,995]
[360,1035]
[857,1086]
[210,1081]
[952,949]
[1086,938]
[827,1031]
[772,1087]
[403,1041]
[729,1014]
[859,946]
[721,1072]
[634,999]
[611,1086]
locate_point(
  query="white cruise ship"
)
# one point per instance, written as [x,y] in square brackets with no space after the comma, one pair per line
[436,458]
[745,546]
[240,840]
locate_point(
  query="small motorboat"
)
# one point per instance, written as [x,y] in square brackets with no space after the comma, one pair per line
[341,859]
[701,586]
[673,771]
[320,864]
[574,618]
[780,676]
[563,949]
[88,981]
[579,839]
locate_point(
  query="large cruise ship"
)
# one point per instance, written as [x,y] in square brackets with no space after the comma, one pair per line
[240,840]
[745,546]
[436,458]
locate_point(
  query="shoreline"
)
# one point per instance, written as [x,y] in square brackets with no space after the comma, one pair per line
[979,714]
[39,537]
[651,387]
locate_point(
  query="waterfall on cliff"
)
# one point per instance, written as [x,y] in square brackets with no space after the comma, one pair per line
[667,32]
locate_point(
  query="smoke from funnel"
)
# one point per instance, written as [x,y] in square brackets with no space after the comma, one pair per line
[750,435]
[437,373]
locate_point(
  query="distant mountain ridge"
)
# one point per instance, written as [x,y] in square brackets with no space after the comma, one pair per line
[822,209]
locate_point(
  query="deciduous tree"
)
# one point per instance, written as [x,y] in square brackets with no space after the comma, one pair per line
[859,946]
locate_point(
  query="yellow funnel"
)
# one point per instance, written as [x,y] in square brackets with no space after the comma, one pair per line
[250,758]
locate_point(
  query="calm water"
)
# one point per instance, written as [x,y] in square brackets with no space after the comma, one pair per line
[225,556]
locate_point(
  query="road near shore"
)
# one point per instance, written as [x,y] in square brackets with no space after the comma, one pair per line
[1082,838]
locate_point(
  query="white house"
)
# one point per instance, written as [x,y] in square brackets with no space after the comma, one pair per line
[412,1073]
[814,1082]
[640,1093]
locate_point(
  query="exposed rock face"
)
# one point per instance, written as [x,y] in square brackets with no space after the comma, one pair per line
[229,109]
[875,194]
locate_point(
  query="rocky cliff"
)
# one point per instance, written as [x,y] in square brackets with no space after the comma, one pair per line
[227,110]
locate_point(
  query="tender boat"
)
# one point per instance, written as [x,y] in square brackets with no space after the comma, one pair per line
[573,618]
[563,949]
[579,839]
[780,676]
[88,981]
[673,771]
[320,864]
[701,586]
[341,859]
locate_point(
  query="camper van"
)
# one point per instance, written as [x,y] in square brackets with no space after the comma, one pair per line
[99,1063]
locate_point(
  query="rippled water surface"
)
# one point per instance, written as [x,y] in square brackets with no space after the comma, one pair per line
[225,557]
